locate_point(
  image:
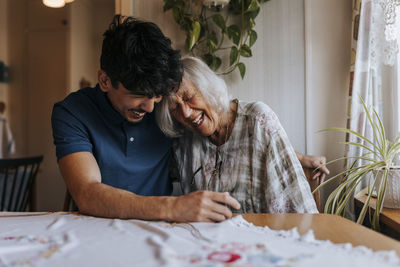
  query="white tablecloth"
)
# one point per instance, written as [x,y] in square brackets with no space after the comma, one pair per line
[66,239]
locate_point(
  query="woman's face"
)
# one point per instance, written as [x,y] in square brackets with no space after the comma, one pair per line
[192,110]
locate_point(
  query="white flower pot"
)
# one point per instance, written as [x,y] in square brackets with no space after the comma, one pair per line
[392,194]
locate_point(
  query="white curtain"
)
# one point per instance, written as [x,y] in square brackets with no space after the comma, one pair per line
[375,72]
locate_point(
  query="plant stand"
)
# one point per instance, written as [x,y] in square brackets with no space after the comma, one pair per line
[389,218]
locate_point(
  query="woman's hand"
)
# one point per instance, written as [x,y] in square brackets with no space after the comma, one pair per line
[314,162]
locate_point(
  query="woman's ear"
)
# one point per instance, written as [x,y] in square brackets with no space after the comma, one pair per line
[104,81]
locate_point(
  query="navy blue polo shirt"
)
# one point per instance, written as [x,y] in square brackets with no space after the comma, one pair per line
[134,157]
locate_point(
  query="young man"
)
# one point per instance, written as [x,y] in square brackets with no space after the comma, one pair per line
[113,157]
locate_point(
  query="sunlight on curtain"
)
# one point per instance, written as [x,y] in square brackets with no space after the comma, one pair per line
[375,72]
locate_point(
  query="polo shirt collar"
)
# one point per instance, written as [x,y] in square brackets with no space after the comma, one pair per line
[107,109]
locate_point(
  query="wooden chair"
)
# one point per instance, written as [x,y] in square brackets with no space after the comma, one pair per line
[313,184]
[69,203]
[17,177]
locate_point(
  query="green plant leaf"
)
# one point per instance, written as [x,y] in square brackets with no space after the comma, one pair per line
[253,37]
[361,146]
[212,61]
[176,13]
[253,6]
[331,179]
[216,63]
[212,41]
[194,34]
[242,69]
[208,59]
[235,6]
[252,14]
[233,57]
[202,38]
[351,132]
[187,43]
[250,24]
[394,149]
[186,23]
[380,198]
[219,20]
[245,51]
[371,122]
[233,32]
[168,4]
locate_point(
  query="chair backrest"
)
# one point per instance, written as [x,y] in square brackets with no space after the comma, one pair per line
[313,184]
[17,177]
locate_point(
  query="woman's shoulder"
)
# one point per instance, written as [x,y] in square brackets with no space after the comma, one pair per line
[254,107]
[260,113]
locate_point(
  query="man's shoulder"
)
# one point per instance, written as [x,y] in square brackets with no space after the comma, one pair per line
[80,96]
[83,101]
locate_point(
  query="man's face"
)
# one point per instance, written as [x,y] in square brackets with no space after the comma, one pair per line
[133,107]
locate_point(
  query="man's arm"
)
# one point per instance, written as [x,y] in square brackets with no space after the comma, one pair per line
[83,178]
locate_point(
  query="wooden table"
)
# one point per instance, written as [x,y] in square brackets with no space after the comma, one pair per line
[389,218]
[327,227]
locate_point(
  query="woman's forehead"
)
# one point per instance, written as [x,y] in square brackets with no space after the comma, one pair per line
[187,87]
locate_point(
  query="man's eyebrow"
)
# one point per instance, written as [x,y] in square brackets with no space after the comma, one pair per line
[138,93]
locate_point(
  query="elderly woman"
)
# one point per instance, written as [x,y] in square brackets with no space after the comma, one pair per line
[232,146]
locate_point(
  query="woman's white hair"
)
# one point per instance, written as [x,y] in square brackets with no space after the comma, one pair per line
[212,88]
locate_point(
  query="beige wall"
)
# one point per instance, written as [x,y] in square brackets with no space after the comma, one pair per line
[38,44]
[152,10]
[103,16]
[3,49]
[275,73]
[327,39]
[17,100]
[46,75]
[82,55]
[89,19]
[125,7]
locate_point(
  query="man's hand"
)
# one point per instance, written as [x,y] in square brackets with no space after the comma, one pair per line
[203,206]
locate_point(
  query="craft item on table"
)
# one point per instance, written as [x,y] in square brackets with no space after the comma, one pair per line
[72,239]
[33,248]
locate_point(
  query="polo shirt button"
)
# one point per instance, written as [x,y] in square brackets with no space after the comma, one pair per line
[131,139]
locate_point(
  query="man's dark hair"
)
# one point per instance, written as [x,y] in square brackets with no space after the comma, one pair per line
[138,55]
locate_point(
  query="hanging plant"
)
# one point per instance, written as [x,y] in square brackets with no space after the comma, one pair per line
[210,32]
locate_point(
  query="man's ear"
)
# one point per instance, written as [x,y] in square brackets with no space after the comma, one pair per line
[104,81]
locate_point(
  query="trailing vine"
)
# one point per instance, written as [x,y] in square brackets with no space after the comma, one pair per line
[209,32]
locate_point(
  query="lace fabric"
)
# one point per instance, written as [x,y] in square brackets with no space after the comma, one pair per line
[71,239]
[308,240]
[385,30]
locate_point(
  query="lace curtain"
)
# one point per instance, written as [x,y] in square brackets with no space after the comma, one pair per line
[374,72]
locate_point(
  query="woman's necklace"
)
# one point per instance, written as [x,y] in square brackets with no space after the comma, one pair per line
[221,138]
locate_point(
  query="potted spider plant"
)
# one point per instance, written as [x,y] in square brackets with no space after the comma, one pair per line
[376,165]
